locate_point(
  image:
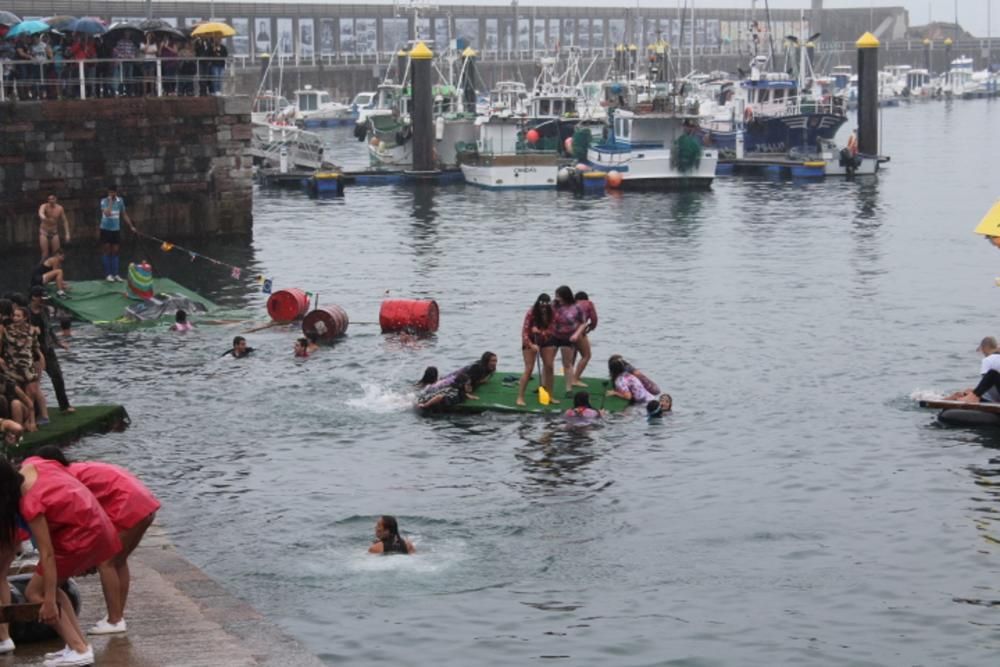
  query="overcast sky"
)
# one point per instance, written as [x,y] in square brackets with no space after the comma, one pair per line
[971,13]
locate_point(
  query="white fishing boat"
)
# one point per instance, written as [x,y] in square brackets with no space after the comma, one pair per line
[286,147]
[502,158]
[315,108]
[657,146]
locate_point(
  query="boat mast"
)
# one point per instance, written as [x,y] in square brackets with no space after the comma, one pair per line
[692,36]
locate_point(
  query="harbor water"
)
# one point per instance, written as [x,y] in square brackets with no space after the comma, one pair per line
[797,507]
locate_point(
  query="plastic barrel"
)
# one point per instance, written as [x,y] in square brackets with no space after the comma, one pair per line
[327,322]
[408,315]
[287,305]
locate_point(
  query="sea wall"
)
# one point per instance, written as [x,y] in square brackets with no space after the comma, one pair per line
[179,163]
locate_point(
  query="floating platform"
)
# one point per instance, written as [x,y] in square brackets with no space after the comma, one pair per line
[957,413]
[782,166]
[402,176]
[101,302]
[64,428]
[500,395]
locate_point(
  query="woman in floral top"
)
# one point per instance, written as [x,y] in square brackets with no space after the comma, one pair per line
[537,339]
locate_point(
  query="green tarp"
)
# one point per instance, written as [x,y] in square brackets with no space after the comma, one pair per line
[101,302]
[500,395]
[64,428]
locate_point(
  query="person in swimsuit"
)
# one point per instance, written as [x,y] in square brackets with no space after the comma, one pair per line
[646,381]
[569,324]
[50,214]
[50,269]
[301,347]
[73,535]
[582,409]
[626,384]
[239,350]
[436,397]
[583,344]
[131,507]
[387,538]
[537,340]
[429,377]
[181,321]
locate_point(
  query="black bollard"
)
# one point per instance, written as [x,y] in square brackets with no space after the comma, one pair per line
[927,55]
[422,116]
[469,80]
[868,94]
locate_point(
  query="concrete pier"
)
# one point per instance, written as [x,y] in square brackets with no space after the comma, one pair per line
[177,616]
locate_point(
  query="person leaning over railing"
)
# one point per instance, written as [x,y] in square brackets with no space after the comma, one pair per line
[150,50]
[126,53]
[168,56]
[217,67]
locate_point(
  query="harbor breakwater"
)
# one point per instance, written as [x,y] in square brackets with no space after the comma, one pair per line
[179,162]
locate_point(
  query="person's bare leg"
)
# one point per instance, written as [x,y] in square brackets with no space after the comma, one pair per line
[112,590]
[583,345]
[43,243]
[41,406]
[54,244]
[567,362]
[548,371]
[66,625]
[529,368]
[6,558]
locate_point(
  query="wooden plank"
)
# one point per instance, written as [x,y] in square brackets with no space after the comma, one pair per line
[959,405]
[20,613]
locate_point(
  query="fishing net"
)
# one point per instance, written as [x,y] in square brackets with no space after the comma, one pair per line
[687,153]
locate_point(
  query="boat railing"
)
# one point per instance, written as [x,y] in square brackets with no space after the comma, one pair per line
[798,104]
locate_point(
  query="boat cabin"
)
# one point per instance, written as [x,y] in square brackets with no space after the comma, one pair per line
[311,100]
[363,101]
[649,130]
[553,106]
[841,75]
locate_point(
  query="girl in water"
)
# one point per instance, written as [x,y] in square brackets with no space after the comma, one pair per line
[582,409]
[181,321]
[537,340]
[626,384]
[387,538]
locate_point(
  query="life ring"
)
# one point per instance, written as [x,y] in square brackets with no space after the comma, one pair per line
[747,114]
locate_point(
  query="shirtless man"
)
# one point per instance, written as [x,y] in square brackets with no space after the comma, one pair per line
[50,214]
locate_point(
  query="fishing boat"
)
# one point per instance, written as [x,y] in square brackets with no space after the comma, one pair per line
[657,145]
[504,158]
[315,108]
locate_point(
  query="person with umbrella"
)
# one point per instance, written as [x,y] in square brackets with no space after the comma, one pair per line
[125,52]
[150,52]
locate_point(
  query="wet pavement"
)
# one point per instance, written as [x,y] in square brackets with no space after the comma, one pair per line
[177,616]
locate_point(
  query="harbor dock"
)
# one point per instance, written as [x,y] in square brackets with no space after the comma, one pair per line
[177,616]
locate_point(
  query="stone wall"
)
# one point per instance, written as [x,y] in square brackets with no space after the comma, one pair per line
[179,163]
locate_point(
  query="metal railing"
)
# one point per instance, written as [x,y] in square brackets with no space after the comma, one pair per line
[114,77]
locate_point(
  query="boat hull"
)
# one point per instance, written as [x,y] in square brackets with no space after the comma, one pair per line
[651,168]
[503,172]
[779,134]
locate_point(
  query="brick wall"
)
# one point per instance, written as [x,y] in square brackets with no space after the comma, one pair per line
[179,163]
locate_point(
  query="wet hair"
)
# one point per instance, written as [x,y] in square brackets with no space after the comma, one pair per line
[484,359]
[476,373]
[582,400]
[66,323]
[581,296]
[616,367]
[181,316]
[52,453]
[390,524]
[653,408]
[312,337]
[303,341]
[430,376]
[565,295]
[238,339]
[391,527]
[541,312]
[10,500]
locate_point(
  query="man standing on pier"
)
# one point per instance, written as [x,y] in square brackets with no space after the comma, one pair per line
[50,214]
[112,212]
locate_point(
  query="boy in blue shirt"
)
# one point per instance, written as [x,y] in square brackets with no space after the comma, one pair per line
[112,213]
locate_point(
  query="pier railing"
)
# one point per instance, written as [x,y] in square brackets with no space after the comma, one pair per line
[103,77]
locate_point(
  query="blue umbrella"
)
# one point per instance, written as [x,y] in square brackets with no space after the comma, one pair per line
[29,28]
[89,25]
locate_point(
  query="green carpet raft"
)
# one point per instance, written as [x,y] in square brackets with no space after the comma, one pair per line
[499,394]
[64,428]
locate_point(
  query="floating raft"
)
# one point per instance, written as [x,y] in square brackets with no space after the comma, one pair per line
[500,395]
[64,428]
[958,413]
[101,302]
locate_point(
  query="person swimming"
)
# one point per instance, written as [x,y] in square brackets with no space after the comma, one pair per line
[657,407]
[437,397]
[181,321]
[582,409]
[301,347]
[388,540]
[239,349]
[429,377]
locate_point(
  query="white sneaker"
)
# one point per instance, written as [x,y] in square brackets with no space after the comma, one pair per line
[118,279]
[57,654]
[6,646]
[110,278]
[72,659]
[103,627]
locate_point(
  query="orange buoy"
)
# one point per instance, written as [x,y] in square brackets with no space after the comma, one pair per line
[532,136]
[287,305]
[614,179]
[327,322]
[408,315]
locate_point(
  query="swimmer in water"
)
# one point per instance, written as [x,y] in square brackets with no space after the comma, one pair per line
[301,347]
[429,377]
[387,538]
[240,349]
[181,321]
[581,408]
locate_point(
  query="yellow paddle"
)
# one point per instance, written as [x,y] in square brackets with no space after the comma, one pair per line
[543,395]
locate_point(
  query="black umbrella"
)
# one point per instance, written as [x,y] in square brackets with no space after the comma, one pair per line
[8,19]
[154,25]
[123,26]
[169,31]
[60,22]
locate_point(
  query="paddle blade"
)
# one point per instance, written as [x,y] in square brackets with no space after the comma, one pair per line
[543,396]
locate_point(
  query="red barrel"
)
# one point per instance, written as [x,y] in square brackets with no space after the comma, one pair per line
[327,322]
[287,305]
[408,315]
